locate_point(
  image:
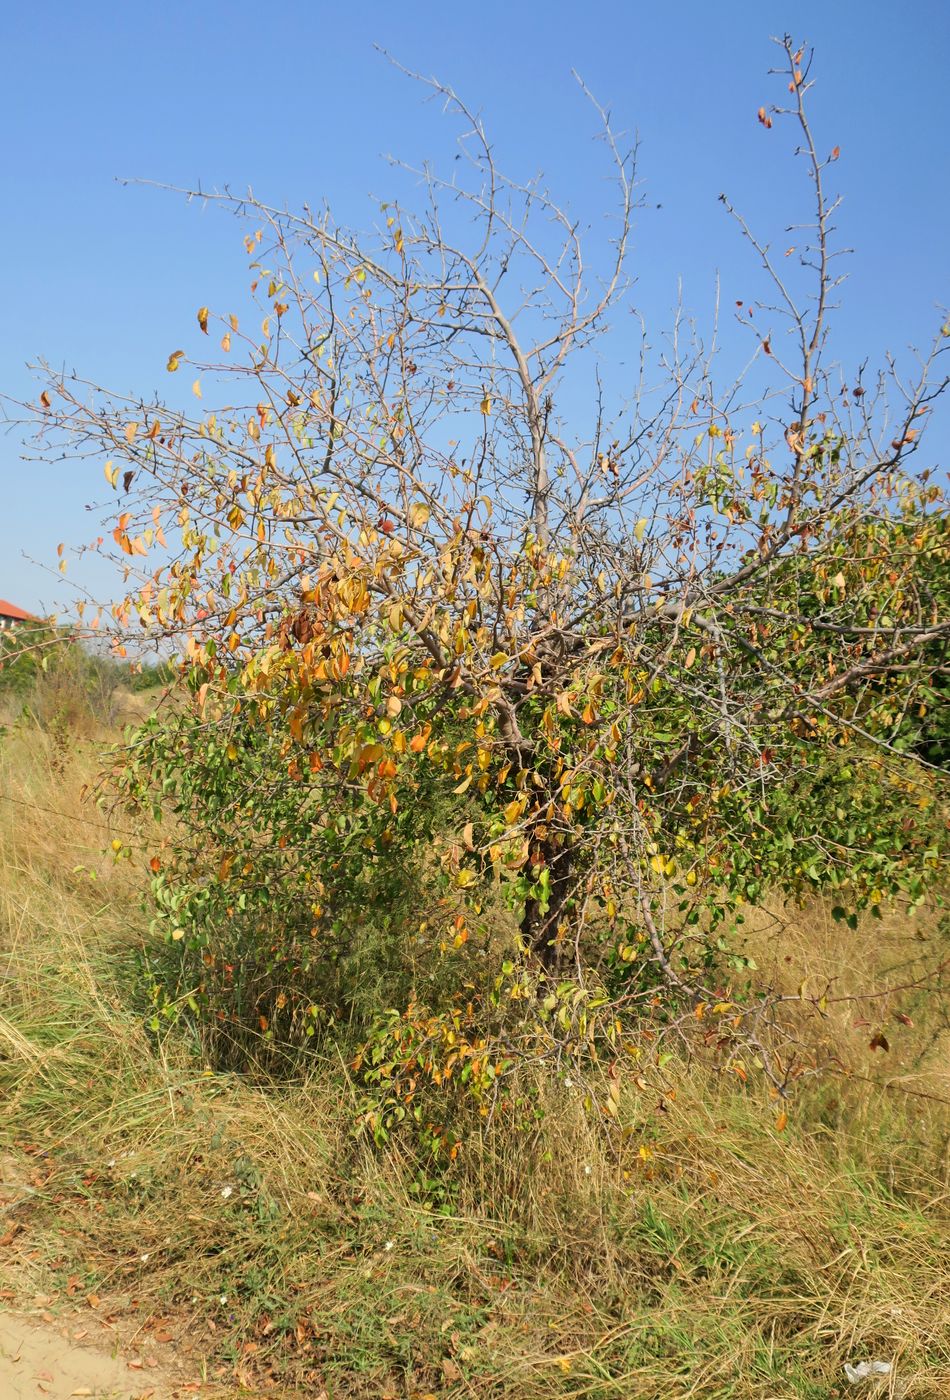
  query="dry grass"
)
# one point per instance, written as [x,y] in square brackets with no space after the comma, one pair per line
[689,1250]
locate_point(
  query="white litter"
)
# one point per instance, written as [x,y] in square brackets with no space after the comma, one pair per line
[866,1369]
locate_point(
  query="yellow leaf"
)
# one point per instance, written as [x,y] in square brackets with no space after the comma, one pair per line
[226,342]
[174,360]
[130,430]
[232,752]
[111,474]
[781,1122]
[203,318]
[178,934]
[640,529]
[196,388]
[485,405]
[512,812]
[463,786]
[465,879]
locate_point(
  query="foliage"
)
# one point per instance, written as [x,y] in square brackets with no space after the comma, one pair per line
[453,645]
[21,655]
[689,1245]
[50,676]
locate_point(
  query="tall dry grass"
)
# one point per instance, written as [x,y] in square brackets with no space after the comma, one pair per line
[691,1248]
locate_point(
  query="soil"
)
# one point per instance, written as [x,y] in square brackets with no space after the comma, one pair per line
[38,1360]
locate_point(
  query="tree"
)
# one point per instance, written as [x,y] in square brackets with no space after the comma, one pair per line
[604,647]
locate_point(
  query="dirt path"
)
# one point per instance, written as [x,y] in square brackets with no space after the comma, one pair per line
[37,1361]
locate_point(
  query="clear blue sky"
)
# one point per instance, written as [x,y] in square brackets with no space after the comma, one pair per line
[292,98]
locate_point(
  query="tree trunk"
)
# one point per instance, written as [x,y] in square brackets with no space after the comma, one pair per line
[539,929]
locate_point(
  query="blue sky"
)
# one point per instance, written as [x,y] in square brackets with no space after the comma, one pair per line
[293,99]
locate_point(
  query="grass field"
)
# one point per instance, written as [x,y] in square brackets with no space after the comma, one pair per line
[699,1246]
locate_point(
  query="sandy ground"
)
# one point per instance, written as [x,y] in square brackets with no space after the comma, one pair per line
[36,1360]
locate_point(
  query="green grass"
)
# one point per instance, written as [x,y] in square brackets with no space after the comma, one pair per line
[689,1249]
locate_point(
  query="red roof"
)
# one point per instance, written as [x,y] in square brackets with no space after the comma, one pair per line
[11,610]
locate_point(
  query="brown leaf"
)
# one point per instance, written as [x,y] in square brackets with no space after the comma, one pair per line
[835,153]
[880,1042]
[764,118]
[203,318]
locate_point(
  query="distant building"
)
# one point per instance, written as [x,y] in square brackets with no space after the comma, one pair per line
[11,616]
